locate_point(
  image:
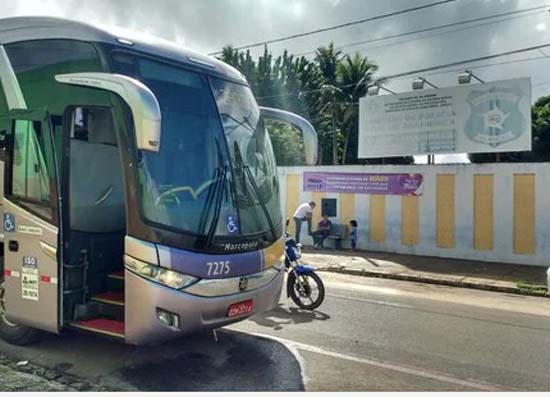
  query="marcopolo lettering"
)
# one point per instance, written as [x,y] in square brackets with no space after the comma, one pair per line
[245,245]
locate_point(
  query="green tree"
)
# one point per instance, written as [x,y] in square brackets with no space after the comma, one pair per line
[328,59]
[286,83]
[541,129]
[355,75]
[287,144]
[325,90]
[230,56]
[330,134]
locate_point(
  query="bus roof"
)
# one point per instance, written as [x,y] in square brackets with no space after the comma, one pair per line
[37,28]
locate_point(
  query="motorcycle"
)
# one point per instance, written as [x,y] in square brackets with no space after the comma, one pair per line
[304,286]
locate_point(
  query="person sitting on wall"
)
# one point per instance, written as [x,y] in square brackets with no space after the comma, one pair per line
[323,231]
[303,213]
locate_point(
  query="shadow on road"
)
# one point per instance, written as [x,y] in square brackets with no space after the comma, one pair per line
[281,316]
[236,362]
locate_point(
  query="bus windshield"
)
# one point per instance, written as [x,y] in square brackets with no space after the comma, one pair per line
[254,168]
[198,183]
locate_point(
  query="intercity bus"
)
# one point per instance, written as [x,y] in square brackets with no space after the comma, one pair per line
[140,197]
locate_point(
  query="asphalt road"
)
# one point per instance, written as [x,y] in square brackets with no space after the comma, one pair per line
[369,334]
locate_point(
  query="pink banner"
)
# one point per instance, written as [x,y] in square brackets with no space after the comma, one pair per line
[339,182]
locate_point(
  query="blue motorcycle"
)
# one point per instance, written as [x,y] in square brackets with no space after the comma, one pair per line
[304,286]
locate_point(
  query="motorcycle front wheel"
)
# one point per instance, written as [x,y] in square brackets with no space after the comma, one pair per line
[306,290]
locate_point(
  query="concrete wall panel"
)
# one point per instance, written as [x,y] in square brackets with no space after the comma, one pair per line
[487,212]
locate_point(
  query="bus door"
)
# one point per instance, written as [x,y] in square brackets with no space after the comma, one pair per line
[30,221]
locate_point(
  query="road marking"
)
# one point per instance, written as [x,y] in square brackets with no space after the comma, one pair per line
[292,345]
[437,312]
[374,301]
[363,287]
[462,296]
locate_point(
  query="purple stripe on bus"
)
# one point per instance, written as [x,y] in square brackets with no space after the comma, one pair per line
[211,266]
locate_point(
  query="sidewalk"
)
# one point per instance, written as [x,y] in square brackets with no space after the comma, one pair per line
[18,376]
[518,279]
[15,381]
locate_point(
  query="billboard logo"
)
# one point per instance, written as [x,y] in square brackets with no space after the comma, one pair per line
[410,183]
[495,117]
[314,184]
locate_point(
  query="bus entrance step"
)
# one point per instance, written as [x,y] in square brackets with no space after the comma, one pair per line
[111,298]
[115,281]
[102,326]
[118,275]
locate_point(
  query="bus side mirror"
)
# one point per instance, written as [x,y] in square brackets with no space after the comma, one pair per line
[141,100]
[309,135]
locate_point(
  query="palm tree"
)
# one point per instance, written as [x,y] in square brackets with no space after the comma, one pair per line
[327,58]
[325,90]
[230,55]
[355,74]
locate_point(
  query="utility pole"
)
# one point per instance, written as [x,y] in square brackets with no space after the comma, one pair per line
[334,141]
[333,90]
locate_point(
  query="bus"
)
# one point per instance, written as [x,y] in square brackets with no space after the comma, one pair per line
[140,195]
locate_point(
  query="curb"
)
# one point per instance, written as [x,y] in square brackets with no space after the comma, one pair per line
[435,281]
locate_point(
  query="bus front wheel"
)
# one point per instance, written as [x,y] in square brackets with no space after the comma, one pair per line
[11,332]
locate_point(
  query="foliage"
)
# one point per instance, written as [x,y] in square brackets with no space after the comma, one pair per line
[287,144]
[325,90]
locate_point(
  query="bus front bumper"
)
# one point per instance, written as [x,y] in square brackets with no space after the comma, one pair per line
[144,300]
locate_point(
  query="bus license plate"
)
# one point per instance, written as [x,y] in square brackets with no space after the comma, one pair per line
[240,308]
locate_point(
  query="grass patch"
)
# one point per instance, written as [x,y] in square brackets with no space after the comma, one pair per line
[532,288]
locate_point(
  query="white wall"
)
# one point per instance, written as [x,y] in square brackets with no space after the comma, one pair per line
[503,214]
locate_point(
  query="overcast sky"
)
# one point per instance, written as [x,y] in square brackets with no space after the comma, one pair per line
[208,25]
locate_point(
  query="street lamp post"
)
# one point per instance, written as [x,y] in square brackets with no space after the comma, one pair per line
[375,90]
[418,84]
[466,77]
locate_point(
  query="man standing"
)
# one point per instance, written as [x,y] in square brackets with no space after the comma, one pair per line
[303,213]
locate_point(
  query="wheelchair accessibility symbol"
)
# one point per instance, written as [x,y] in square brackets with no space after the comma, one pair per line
[232,224]
[9,222]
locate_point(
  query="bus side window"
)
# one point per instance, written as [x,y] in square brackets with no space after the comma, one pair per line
[30,170]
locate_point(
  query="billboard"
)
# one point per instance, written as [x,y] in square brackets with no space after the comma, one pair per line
[477,118]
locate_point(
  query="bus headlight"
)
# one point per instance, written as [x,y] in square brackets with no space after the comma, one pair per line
[159,274]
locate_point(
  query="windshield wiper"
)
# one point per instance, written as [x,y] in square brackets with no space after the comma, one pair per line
[210,199]
[214,197]
[244,123]
[217,207]
[248,173]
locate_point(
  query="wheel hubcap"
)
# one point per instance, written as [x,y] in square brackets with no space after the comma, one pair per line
[3,306]
[303,288]
[304,291]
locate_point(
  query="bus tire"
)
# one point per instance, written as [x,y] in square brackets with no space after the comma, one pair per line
[13,333]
